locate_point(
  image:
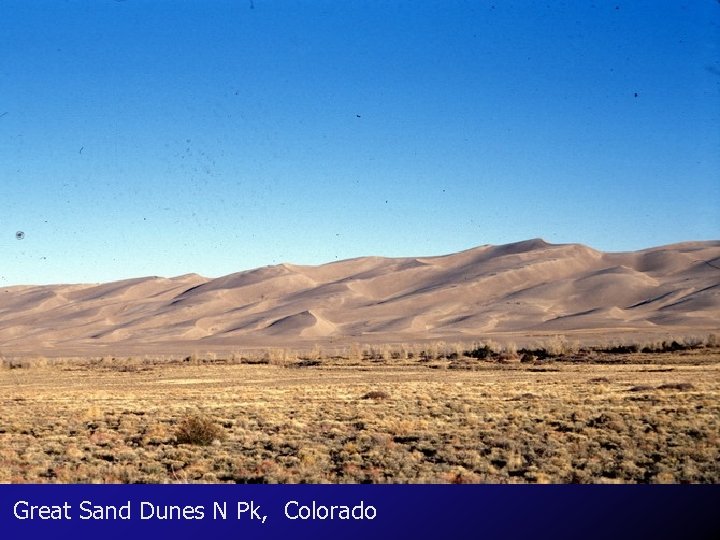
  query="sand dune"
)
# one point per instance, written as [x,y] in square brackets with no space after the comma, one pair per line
[306,323]
[526,287]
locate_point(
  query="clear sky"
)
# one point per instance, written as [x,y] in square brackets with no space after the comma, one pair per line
[151,137]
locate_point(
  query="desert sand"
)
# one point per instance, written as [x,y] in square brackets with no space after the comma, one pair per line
[514,291]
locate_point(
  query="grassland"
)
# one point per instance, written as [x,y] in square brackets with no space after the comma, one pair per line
[577,418]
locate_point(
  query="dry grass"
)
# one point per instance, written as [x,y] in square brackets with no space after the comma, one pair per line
[376,394]
[199,430]
[598,418]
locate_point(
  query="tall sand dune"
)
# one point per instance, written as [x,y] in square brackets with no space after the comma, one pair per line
[529,287]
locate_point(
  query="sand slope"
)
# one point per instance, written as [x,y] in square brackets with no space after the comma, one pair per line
[525,287]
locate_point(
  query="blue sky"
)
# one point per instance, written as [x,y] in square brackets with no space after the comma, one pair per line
[151,137]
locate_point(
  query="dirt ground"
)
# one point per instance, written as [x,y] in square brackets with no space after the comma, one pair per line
[615,418]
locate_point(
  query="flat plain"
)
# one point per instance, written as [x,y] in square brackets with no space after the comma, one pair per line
[593,418]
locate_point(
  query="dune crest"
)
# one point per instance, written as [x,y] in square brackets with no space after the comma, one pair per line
[529,286]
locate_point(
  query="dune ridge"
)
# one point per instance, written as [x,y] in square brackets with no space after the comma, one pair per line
[526,287]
